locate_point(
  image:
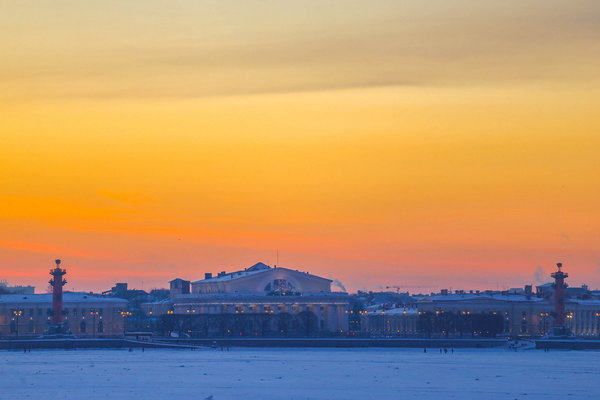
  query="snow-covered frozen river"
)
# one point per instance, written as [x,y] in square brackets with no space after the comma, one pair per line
[299,374]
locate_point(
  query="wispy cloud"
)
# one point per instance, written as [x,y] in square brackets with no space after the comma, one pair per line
[401,44]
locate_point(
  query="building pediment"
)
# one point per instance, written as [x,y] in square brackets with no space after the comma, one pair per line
[263,280]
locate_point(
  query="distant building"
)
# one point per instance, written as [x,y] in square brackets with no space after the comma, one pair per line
[392,322]
[86,315]
[547,290]
[119,288]
[257,301]
[6,289]
[456,314]
[179,286]
[517,311]
[386,299]
[517,314]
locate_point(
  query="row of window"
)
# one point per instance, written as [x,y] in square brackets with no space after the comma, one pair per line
[48,311]
[267,309]
[30,326]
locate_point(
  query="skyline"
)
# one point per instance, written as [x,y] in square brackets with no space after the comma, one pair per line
[540,276]
[398,144]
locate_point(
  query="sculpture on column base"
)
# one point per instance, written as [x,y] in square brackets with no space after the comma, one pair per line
[60,331]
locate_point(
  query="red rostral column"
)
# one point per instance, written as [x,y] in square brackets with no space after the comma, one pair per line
[559,296]
[57,283]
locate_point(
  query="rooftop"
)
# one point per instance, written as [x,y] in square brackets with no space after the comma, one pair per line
[479,296]
[257,268]
[68,297]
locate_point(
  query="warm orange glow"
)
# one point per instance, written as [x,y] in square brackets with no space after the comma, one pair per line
[362,146]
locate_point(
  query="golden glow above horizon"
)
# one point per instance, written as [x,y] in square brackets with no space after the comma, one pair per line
[417,143]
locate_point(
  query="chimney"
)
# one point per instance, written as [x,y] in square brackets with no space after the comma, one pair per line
[208,275]
[185,287]
[528,291]
[222,273]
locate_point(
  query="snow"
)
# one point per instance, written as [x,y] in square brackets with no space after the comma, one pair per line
[255,269]
[231,275]
[46,298]
[266,374]
[480,296]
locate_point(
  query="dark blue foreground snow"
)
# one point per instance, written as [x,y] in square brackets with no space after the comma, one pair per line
[300,374]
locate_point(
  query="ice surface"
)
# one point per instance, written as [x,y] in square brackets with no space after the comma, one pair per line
[299,374]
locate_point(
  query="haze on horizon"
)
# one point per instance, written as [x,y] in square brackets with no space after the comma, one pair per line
[413,143]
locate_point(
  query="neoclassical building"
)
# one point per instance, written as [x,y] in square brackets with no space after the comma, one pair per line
[86,315]
[400,321]
[518,314]
[256,301]
[466,314]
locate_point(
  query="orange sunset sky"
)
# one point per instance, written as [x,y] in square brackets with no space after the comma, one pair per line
[425,144]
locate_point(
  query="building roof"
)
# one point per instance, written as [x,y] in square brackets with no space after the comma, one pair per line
[587,302]
[545,285]
[391,297]
[259,266]
[178,280]
[255,269]
[231,275]
[46,298]
[481,296]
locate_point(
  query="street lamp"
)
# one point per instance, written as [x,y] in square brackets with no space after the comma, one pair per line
[190,311]
[17,314]
[125,314]
[544,316]
[93,313]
